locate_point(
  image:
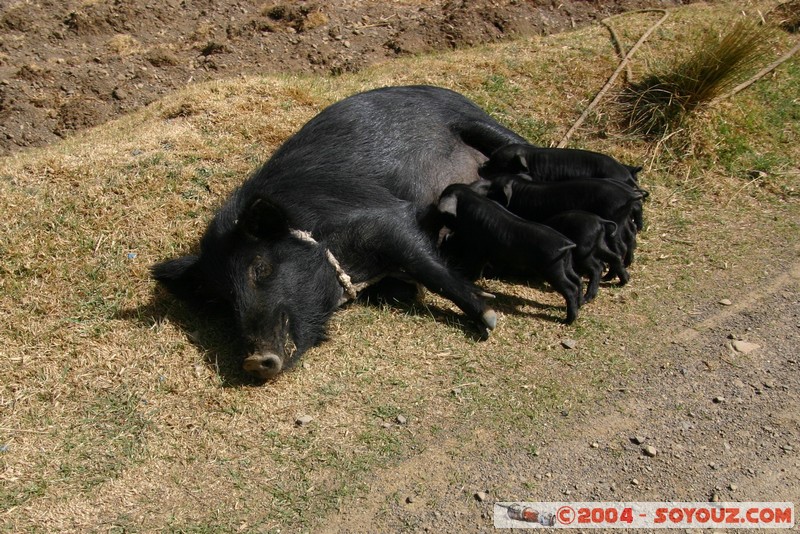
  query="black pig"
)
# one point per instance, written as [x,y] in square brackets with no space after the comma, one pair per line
[591,235]
[482,232]
[554,164]
[338,206]
[538,202]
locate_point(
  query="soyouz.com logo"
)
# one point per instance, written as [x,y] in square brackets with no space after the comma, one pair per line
[643,515]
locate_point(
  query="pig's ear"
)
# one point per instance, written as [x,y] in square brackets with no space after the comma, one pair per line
[448,204]
[507,191]
[180,276]
[519,163]
[634,171]
[264,219]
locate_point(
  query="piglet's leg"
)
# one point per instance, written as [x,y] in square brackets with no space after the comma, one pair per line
[614,261]
[561,277]
[594,268]
[628,235]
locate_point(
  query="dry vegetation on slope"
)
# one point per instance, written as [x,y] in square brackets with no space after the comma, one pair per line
[124,411]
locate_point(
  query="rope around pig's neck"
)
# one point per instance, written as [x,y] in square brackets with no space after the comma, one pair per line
[350,289]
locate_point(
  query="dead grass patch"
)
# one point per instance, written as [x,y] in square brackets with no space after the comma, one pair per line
[124,44]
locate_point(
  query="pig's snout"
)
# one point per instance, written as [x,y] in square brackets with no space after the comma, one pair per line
[264,365]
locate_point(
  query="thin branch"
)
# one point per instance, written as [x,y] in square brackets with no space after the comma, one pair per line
[612,79]
[760,74]
[618,46]
[745,186]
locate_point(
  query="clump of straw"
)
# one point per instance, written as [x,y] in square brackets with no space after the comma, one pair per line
[659,103]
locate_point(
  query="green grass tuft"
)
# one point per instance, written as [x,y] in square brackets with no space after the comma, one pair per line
[660,102]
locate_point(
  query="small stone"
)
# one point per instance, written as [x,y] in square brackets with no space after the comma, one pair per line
[725,302]
[719,399]
[737,383]
[733,487]
[386,424]
[769,383]
[787,448]
[635,482]
[410,499]
[649,450]
[745,347]
[481,496]
[637,440]
[595,445]
[569,343]
[303,420]
[401,420]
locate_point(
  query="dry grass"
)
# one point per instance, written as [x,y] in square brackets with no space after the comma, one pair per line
[124,44]
[122,410]
[659,103]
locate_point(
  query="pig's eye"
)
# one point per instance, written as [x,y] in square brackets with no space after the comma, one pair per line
[260,271]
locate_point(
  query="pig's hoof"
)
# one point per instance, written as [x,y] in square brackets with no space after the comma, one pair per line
[489,318]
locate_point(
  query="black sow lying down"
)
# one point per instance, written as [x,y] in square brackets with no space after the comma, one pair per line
[337,206]
[485,232]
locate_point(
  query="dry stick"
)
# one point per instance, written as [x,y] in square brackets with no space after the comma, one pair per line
[618,46]
[745,186]
[617,41]
[612,79]
[760,74]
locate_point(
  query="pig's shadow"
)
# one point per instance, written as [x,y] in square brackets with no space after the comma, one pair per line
[404,297]
[513,304]
[210,329]
[213,331]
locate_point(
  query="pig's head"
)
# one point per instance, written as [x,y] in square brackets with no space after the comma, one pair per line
[508,159]
[281,288]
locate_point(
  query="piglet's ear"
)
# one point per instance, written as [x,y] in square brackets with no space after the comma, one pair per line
[448,204]
[519,163]
[633,170]
[264,219]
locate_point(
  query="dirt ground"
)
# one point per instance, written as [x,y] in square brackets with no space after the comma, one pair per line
[65,66]
[717,403]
